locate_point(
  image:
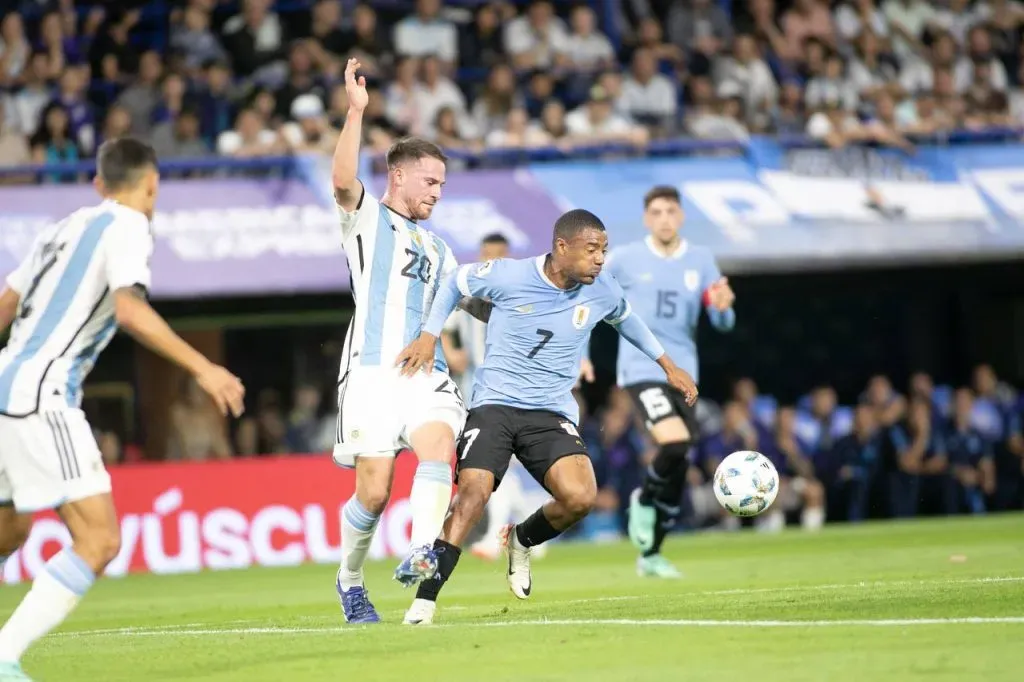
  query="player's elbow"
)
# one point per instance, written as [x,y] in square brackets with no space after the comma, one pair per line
[128,309]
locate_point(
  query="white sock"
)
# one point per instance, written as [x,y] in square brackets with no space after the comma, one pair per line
[772,522]
[54,594]
[812,518]
[357,528]
[429,499]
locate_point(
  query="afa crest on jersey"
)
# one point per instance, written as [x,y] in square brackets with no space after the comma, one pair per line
[580,315]
[691,280]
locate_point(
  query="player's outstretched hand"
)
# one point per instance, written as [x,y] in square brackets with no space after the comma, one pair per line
[418,355]
[586,371]
[355,88]
[721,294]
[682,381]
[225,388]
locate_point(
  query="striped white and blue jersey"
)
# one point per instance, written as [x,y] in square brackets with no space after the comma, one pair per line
[396,267]
[65,315]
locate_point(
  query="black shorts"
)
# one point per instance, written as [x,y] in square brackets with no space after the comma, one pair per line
[494,433]
[659,401]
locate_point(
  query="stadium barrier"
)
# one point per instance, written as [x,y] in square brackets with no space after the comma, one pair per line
[190,516]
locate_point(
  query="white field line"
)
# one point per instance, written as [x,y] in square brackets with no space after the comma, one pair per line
[200,629]
[583,622]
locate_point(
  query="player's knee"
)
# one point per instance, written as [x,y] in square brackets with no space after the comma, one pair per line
[579,501]
[470,502]
[374,496]
[434,442]
[14,532]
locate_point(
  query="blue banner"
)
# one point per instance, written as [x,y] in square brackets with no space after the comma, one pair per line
[777,207]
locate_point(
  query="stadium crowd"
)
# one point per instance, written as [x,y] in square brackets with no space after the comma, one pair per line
[256,78]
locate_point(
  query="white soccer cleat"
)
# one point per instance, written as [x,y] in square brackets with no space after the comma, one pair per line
[519,579]
[420,613]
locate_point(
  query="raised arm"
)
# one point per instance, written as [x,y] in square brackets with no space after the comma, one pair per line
[348,190]
[718,298]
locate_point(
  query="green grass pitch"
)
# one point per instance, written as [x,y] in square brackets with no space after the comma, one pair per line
[921,600]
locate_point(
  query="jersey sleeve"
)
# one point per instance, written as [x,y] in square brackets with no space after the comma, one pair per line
[484,280]
[617,300]
[365,213]
[450,262]
[128,246]
[20,280]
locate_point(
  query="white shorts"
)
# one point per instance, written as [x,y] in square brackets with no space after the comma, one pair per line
[379,410]
[49,458]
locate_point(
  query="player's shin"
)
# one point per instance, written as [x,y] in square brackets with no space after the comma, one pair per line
[357,527]
[56,591]
[447,559]
[429,499]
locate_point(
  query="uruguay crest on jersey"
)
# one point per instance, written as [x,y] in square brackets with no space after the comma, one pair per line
[580,315]
[691,279]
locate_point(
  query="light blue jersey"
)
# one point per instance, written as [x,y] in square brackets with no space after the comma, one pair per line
[668,293]
[538,333]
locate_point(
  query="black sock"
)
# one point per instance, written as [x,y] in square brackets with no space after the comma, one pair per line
[447,557]
[536,530]
[664,472]
[666,519]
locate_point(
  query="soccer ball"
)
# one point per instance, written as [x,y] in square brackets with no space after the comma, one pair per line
[746,483]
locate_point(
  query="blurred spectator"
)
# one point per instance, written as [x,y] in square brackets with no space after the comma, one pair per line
[918,73]
[247,437]
[426,33]
[52,42]
[304,423]
[110,448]
[587,49]
[52,142]
[14,149]
[118,123]
[254,37]
[496,100]
[807,19]
[435,92]
[180,137]
[908,20]
[970,455]
[979,53]
[271,421]
[517,133]
[143,95]
[172,99]
[369,42]
[450,131]
[325,27]
[789,117]
[890,406]
[28,103]
[113,38]
[537,39]
[612,82]
[648,97]
[956,17]
[760,20]
[917,465]
[401,101]
[302,78]
[539,89]
[553,124]
[855,19]
[215,100]
[481,44]
[71,95]
[701,28]
[799,489]
[264,103]
[650,34]
[378,131]
[851,466]
[716,118]
[595,121]
[869,72]
[310,131]
[832,88]
[14,49]
[197,430]
[106,86]
[751,76]
[194,39]
[250,137]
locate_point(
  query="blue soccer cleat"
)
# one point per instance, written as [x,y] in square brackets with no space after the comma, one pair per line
[12,672]
[355,605]
[419,565]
